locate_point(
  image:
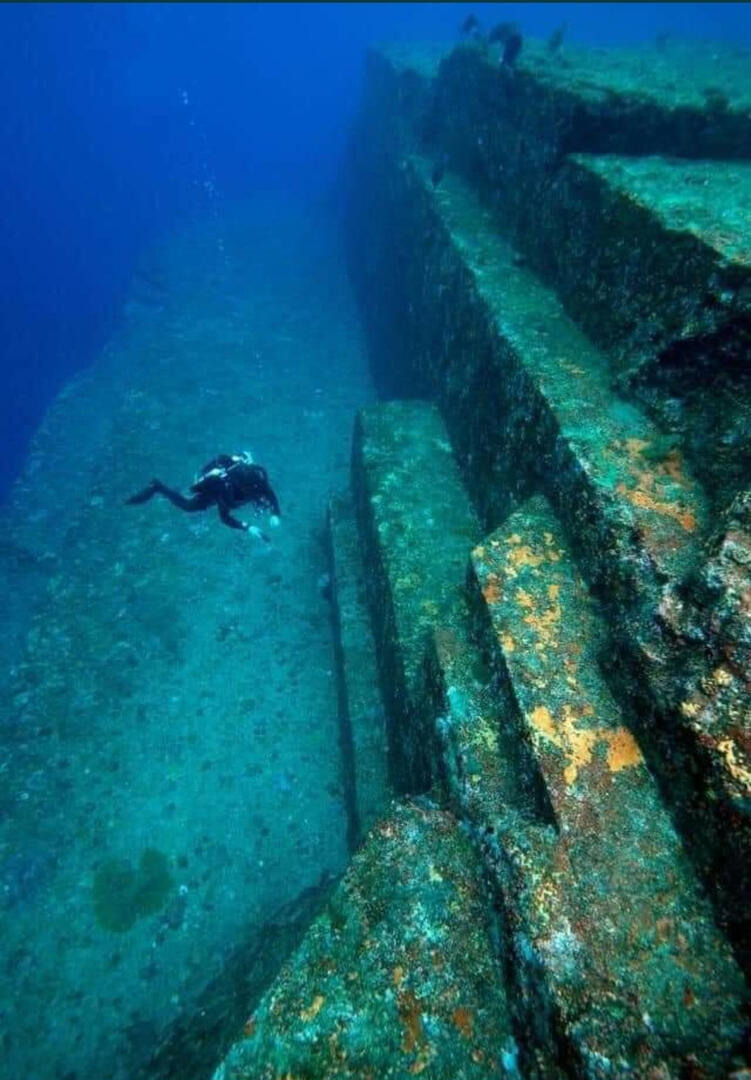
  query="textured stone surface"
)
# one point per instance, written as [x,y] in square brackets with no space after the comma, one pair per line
[653,258]
[614,910]
[361,712]
[530,405]
[398,976]
[648,251]
[507,130]
[582,322]
[417,528]
[578,697]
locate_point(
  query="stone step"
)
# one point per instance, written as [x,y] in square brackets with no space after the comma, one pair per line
[416,527]
[398,976]
[530,407]
[648,251]
[652,257]
[665,286]
[707,740]
[361,713]
[687,102]
[508,131]
[530,402]
[616,950]
[482,771]
[650,254]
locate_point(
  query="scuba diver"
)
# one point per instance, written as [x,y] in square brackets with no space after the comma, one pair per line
[227,481]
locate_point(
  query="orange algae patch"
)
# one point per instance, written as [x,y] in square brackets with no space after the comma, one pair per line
[577,744]
[545,625]
[722,676]
[623,750]
[685,518]
[462,1019]
[737,769]
[673,466]
[547,895]
[491,590]
[648,480]
[409,1010]
[542,718]
[524,599]
[525,556]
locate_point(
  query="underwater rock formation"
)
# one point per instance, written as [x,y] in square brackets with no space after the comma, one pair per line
[556,555]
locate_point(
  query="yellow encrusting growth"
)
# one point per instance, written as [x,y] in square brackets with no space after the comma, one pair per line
[525,556]
[578,743]
[645,501]
[650,479]
[312,1011]
[623,750]
[737,769]
[545,624]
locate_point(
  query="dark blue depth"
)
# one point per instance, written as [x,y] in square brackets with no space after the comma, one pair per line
[100,155]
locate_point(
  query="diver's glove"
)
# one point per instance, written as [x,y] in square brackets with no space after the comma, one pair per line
[256,532]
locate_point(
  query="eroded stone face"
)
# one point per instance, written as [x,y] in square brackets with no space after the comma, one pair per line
[555,255]
[397,976]
[575,299]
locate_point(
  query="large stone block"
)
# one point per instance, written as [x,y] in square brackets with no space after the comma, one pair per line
[581,316]
[530,407]
[361,713]
[417,528]
[398,976]
[682,102]
[652,257]
[649,254]
[613,940]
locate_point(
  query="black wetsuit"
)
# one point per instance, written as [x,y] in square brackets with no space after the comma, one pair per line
[225,482]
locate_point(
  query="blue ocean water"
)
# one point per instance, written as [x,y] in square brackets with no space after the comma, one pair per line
[173,286]
[101,154]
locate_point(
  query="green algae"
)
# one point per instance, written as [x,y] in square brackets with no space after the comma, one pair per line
[122,894]
[710,200]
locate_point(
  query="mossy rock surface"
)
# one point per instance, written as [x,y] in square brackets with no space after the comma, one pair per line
[399,975]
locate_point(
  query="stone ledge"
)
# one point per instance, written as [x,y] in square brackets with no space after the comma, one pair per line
[361,713]
[606,899]
[417,528]
[398,976]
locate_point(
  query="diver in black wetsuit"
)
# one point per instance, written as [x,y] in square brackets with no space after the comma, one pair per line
[227,481]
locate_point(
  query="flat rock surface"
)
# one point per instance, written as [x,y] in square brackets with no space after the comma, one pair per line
[168,774]
[711,200]
[397,977]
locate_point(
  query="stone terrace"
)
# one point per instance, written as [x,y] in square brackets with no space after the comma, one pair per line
[556,547]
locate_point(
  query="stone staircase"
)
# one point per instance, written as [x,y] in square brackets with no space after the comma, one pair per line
[582,321]
[554,552]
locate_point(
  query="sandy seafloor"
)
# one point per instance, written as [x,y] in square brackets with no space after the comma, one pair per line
[169,681]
